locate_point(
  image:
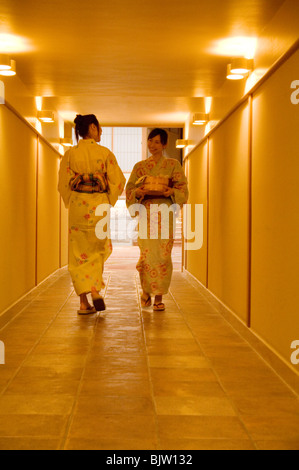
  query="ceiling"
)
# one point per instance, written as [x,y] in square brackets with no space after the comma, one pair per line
[132,62]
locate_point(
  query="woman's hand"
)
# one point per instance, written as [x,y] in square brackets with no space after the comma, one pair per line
[140,192]
[169,192]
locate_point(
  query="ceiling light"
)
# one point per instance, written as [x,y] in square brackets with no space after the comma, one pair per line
[239,68]
[200,119]
[181,143]
[4,62]
[240,65]
[8,69]
[45,116]
[233,76]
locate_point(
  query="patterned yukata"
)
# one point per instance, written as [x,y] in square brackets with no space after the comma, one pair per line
[89,175]
[155,263]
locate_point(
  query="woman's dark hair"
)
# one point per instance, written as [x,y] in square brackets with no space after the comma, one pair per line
[83,123]
[161,132]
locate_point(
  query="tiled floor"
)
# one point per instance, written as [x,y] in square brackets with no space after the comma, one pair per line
[134,379]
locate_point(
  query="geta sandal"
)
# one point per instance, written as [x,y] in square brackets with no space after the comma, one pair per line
[146,301]
[98,302]
[86,311]
[159,307]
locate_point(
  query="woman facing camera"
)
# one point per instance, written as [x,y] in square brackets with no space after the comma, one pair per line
[89,176]
[155,263]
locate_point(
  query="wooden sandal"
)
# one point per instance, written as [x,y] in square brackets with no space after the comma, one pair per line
[98,302]
[87,311]
[146,301]
[159,307]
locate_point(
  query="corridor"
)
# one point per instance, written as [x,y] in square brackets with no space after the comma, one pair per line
[131,379]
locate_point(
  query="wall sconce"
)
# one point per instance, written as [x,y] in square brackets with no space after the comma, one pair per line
[239,68]
[66,142]
[200,119]
[45,116]
[181,143]
[7,66]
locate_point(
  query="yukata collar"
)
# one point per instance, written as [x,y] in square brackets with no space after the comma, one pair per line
[151,159]
[87,141]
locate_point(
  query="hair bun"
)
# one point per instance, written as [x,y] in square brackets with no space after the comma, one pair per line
[78,119]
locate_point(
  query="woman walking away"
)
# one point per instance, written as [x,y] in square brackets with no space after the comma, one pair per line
[89,175]
[155,263]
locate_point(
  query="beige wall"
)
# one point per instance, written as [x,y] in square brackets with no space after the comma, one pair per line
[18,198]
[32,246]
[252,234]
[228,212]
[197,173]
[275,210]
[48,212]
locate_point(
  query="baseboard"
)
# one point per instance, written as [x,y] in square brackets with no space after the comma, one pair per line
[16,308]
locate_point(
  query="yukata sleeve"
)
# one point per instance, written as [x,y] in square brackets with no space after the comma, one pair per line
[131,188]
[64,177]
[115,179]
[180,185]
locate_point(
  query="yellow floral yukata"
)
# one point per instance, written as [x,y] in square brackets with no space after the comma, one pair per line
[88,167]
[155,263]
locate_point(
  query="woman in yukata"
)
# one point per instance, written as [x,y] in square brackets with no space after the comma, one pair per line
[89,176]
[155,263]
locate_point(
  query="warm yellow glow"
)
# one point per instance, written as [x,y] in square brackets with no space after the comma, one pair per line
[208,127]
[11,71]
[39,102]
[12,43]
[45,116]
[61,126]
[240,65]
[200,119]
[208,104]
[253,78]
[67,142]
[233,76]
[238,46]
[181,143]
[5,63]
[38,126]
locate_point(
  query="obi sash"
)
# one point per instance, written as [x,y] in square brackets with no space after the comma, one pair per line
[89,183]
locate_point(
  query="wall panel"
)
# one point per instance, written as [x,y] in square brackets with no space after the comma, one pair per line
[275,206]
[64,235]
[197,171]
[18,211]
[48,236]
[228,272]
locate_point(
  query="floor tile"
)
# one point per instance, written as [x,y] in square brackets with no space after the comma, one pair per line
[133,379]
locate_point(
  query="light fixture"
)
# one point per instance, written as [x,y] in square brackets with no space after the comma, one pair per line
[233,76]
[67,142]
[239,68]
[240,65]
[4,62]
[200,119]
[181,143]
[7,67]
[45,116]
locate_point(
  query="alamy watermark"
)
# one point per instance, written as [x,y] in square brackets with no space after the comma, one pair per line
[295,354]
[2,353]
[2,93]
[295,94]
[158,221]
